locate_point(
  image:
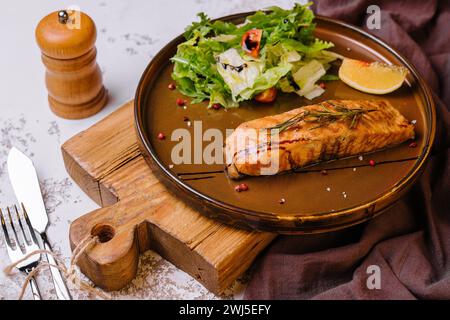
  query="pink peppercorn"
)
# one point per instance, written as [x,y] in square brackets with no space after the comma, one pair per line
[181,102]
[241,187]
[372,163]
[244,187]
[161,136]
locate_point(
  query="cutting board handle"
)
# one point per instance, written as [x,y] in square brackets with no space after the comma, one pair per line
[111,263]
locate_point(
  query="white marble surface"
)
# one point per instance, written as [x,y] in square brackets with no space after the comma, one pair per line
[130,33]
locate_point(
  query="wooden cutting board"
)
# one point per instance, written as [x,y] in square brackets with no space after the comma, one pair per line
[138,213]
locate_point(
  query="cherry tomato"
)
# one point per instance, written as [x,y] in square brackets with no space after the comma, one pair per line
[267,96]
[251,42]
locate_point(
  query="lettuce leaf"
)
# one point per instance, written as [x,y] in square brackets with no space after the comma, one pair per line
[306,78]
[238,81]
[267,80]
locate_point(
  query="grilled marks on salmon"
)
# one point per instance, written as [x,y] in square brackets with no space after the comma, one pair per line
[330,130]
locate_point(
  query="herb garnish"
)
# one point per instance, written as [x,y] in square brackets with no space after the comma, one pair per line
[325,116]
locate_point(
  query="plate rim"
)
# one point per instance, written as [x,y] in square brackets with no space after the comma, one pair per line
[253,217]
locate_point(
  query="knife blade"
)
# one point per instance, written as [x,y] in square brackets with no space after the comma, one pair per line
[25,183]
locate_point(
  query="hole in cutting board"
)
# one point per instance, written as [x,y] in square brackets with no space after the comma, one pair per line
[104,232]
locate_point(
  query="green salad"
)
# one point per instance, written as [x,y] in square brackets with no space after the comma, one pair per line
[273,50]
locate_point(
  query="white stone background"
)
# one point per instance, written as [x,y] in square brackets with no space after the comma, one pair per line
[130,33]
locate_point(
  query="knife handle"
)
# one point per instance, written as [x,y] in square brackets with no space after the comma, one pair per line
[35,289]
[58,281]
[33,285]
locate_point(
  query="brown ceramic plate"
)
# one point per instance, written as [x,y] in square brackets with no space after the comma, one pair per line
[313,202]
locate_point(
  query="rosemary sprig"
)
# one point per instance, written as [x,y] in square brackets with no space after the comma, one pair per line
[325,116]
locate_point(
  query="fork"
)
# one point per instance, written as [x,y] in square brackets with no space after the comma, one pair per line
[17,252]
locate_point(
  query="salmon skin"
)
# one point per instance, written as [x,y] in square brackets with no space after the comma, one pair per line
[329,130]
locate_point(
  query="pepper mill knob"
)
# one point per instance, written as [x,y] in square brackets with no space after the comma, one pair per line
[73,77]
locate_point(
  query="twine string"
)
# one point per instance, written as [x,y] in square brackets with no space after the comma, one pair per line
[71,275]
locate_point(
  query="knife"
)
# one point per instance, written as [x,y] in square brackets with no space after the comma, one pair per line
[25,184]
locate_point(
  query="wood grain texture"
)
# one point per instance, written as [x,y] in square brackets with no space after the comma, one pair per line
[139,214]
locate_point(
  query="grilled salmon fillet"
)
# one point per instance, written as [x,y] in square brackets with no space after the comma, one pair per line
[329,130]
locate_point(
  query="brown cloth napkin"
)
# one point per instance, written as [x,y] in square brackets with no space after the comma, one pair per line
[411,242]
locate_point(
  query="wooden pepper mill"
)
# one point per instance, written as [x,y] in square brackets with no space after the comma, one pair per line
[73,77]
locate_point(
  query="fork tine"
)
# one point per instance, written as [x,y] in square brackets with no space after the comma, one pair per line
[5,230]
[30,227]
[13,228]
[21,226]
[17,254]
[25,238]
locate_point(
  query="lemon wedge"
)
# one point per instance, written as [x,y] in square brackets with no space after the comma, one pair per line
[372,77]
